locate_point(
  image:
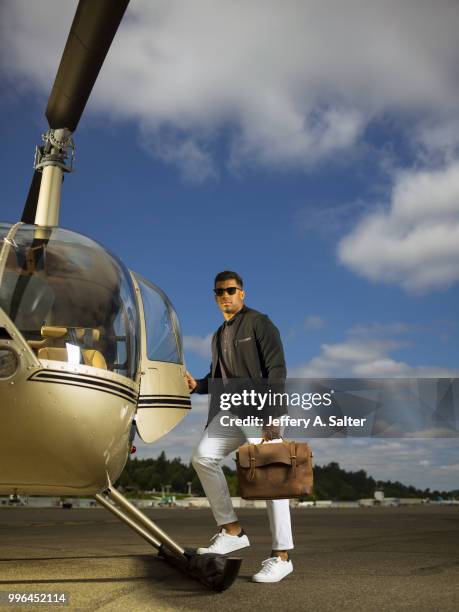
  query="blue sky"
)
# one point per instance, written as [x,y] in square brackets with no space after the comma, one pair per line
[315,152]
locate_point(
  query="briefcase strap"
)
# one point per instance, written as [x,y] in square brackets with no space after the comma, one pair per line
[253,462]
[293,457]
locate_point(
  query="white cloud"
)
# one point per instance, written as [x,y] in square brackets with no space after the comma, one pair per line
[453,467]
[325,220]
[199,345]
[296,81]
[314,322]
[439,141]
[415,243]
[394,328]
[191,156]
[420,462]
[364,356]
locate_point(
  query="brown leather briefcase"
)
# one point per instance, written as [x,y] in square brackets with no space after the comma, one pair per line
[274,470]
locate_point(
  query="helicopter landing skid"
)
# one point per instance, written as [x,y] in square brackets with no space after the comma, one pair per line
[215,571]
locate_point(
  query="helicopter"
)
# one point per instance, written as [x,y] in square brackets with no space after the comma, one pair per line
[90,352]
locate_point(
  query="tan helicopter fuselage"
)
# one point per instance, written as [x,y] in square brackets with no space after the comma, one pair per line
[66,428]
[63,427]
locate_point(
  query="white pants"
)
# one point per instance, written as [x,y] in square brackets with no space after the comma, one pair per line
[216,443]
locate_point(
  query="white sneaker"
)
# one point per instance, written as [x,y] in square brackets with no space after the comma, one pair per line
[223,543]
[273,570]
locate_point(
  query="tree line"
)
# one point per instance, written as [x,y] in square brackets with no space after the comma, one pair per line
[330,481]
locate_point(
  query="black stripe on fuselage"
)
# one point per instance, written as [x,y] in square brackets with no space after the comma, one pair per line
[164,400]
[165,396]
[158,406]
[85,382]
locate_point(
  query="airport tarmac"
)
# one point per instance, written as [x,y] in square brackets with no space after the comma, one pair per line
[347,559]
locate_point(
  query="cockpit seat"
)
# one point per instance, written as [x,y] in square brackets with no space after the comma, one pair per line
[48,333]
[56,354]
[86,335]
[52,331]
[95,359]
[91,357]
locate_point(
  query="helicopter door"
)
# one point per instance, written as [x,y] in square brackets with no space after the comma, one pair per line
[164,398]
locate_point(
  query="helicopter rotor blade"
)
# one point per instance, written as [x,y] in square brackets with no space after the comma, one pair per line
[30,208]
[91,34]
[93,29]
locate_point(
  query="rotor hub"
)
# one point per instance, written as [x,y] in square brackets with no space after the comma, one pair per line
[58,150]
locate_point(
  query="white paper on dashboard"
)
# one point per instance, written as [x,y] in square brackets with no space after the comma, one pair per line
[73,353]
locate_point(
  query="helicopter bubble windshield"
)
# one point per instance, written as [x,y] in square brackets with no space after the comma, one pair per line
[71,299]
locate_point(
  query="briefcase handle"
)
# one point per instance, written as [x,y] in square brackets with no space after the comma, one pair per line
[271,439]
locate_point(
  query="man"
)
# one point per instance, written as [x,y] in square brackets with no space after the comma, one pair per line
[246,345]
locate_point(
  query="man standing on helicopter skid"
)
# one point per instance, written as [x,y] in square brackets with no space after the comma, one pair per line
[234,357]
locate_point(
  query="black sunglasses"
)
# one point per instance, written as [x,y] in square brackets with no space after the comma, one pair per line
[229,290]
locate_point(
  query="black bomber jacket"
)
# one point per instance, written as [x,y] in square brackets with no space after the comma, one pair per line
[258,351]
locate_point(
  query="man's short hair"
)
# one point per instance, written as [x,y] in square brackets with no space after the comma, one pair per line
[228,275]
